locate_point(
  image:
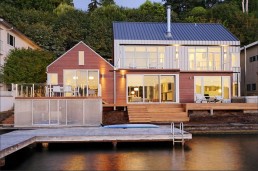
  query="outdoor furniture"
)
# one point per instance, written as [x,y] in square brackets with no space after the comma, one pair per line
[91,92]
[56,90]
[218,99]
[67,89]
[199,98]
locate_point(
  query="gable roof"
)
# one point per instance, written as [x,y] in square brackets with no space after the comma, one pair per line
[179,31]
[250,45]
[81,42]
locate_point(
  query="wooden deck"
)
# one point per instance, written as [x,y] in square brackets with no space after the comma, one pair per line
[159,113]
[221,106]
[16,140]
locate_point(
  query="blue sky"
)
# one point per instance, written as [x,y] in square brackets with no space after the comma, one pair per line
[83,4]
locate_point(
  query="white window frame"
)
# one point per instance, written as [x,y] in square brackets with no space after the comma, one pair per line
[9,36]
[176,83]
[222,85]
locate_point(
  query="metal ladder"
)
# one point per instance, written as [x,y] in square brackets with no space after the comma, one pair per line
[181,131]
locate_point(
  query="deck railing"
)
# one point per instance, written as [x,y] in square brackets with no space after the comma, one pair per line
[45,90]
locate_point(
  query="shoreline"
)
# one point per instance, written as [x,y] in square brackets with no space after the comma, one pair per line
[228,128]
[195,129]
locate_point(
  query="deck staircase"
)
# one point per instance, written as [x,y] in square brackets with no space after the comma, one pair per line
[157,113]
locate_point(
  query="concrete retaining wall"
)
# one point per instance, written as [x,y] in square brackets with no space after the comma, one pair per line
[6,103]
[33,112]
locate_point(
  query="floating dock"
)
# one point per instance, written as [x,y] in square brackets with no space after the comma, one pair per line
[16,140]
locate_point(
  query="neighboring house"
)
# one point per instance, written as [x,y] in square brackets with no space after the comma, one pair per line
[10,38]
[249,69]
[172,62]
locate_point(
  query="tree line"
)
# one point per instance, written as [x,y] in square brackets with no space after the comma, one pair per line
[56,26]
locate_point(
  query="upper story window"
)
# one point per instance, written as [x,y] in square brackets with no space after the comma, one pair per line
[143,57]
[10,40]
[204,58]
[81,57]
[253,58]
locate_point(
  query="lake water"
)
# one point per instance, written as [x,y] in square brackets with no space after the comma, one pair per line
[214,152]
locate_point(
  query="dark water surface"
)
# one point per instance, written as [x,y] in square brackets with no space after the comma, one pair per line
[216,152]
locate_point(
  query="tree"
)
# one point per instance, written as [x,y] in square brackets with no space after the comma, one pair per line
[197,15]
[99,35]
[181,7]
[152,12]
[26,66]
[70,28]
[107,2]
[42,5]
[93,5]
[63,8]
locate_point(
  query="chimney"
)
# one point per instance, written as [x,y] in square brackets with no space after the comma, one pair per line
[168,21]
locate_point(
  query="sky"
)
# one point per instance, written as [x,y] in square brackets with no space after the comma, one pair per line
[83,4]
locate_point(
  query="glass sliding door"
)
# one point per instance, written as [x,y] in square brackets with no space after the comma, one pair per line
[151,88]
[93,82]
[168,88]
[135,88]
[81,82]
[70,78]
[211,86]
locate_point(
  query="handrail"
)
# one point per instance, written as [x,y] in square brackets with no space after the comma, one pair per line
[181,131]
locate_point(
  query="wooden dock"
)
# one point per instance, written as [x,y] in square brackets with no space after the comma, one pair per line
[16,140]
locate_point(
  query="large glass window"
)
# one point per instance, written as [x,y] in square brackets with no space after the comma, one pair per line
[52,78]
[135,87]
[211,86]
[168,90]
[82,82]
[204,58]
[143,57]
[151,88]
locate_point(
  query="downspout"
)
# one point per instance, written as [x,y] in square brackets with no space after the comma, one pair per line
[245,74]
[115,89]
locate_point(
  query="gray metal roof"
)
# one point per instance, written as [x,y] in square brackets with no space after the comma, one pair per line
[179,31]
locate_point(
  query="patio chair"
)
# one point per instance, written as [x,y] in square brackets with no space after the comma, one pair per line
[199,98]
[57,90]
[218,99]
[67,89]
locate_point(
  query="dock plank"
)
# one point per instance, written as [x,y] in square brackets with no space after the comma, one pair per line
[14,141]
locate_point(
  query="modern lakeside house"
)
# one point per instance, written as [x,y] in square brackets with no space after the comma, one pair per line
[156,63]
[159,72]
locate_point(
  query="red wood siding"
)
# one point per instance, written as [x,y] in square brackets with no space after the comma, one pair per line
[91,61]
